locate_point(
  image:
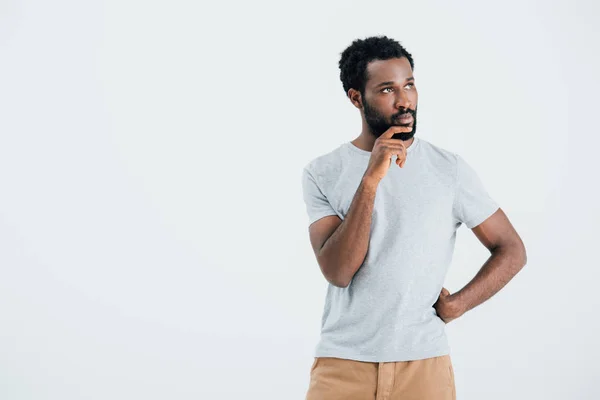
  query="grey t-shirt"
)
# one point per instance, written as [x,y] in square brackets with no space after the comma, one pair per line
[386,313]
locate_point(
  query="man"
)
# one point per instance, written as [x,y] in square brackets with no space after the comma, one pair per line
[383,212]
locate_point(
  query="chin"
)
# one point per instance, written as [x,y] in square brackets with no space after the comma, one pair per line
[404,136]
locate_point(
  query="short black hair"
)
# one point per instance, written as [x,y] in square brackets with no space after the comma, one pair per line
[355,58]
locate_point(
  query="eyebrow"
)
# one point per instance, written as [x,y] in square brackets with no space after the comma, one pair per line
[392,82]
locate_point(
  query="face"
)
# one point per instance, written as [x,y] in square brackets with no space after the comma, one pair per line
[390,93]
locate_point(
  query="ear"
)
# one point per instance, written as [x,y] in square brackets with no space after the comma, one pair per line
[355,98]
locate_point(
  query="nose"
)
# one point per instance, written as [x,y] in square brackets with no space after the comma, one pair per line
[402,100]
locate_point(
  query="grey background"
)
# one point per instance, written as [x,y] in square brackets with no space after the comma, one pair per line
[153,238]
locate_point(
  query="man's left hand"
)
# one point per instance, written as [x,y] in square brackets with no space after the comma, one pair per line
[447,306]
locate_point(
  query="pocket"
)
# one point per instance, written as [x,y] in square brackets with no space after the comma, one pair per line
[445,373]
[450,371]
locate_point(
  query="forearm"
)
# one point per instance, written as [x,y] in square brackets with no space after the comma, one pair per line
[496,272]
[345,250]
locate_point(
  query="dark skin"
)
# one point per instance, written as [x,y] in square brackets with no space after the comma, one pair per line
[508,256]
[391,88]
[388,98]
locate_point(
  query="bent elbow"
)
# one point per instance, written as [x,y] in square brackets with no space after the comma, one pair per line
[339,283]
[333,276]
[522,254]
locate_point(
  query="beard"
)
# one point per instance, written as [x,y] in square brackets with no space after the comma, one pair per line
[378,123]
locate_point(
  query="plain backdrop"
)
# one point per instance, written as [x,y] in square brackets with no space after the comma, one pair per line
[153,237]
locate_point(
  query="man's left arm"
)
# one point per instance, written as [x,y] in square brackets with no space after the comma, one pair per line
[508,257]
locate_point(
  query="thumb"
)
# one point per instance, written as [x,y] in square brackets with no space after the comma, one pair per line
[445,291]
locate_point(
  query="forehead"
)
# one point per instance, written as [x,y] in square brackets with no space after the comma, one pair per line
[394,69]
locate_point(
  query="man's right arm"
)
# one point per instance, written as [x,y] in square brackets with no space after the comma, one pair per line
[341,246]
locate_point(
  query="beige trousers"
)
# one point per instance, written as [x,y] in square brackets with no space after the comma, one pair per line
[336,378]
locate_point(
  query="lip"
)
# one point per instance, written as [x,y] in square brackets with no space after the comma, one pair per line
[405,119]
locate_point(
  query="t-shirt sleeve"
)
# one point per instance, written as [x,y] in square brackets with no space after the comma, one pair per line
[472,202]
[317,205]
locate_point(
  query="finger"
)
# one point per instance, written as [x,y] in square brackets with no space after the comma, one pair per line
[393,142]
[395,129]
[393,145]
[400,161]
[393,149]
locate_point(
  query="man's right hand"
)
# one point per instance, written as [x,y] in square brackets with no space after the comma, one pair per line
[383,150]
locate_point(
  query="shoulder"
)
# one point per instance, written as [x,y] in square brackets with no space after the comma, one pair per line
[438,155]
[326,164]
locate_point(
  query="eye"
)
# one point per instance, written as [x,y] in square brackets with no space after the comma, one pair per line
[412,85]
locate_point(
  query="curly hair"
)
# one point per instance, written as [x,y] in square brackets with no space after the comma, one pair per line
[355,58]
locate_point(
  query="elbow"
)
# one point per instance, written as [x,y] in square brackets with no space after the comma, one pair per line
[341,283]
[515,256]
[334,277]
[519,255]
[338,272]
[515,252]
[523,257]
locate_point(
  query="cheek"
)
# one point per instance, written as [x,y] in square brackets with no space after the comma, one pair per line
[382,106]
[415,97]
[382,102]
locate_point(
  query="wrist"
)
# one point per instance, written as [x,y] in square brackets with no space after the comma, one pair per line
[370,181]
[457,304]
